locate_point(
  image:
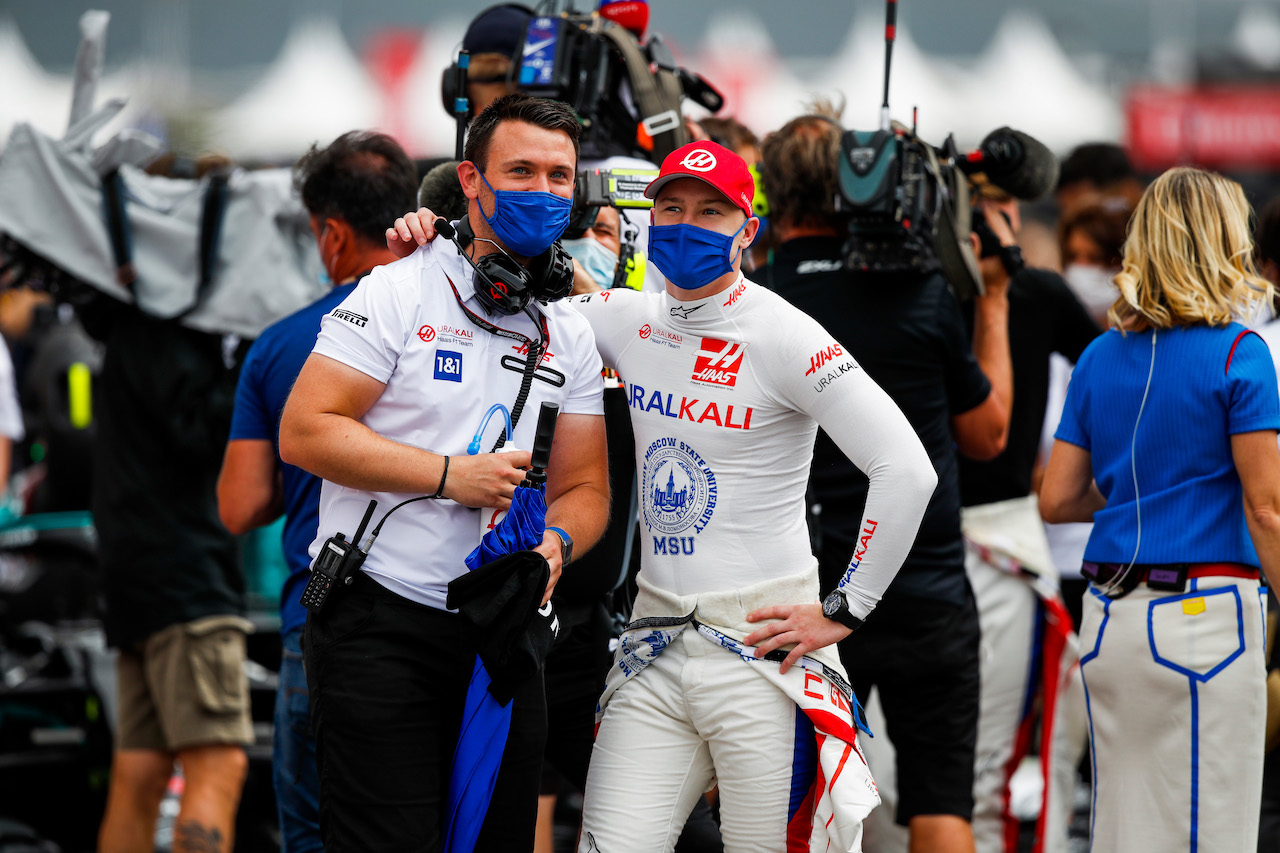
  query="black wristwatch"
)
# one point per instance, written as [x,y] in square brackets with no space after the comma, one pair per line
[566,545]
[836,607]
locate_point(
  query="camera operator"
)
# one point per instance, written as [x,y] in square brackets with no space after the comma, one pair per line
[494,39]
[410,362]
[907,331]
[1021,612]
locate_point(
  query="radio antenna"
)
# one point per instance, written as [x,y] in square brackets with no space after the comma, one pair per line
[890,31]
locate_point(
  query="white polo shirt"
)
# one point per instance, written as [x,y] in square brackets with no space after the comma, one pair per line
[404,326]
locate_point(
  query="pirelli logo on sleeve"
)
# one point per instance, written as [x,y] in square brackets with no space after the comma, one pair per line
[351,317]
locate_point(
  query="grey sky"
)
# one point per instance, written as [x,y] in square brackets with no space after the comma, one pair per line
[231,34]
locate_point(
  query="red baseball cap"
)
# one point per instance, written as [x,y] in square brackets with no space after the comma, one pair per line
[712,164]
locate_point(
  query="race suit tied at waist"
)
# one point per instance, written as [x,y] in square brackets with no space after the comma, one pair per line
[501,599]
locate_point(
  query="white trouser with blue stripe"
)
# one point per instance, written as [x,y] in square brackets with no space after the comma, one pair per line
[1175,686]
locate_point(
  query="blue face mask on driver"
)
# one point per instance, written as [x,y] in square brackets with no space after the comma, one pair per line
[689,256]
[527,222]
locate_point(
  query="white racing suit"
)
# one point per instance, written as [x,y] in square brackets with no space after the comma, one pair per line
[681,675]
[726,394]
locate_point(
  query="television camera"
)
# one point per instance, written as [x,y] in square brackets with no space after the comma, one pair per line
[907,202]
[626,91]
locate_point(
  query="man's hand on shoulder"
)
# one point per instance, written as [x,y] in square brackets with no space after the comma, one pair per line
[802,624]
[410,231]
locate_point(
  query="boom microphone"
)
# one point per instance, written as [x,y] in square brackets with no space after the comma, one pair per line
[700,90]
[1015,162]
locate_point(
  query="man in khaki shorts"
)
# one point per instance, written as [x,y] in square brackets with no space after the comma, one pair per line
[172,583]
[184,686]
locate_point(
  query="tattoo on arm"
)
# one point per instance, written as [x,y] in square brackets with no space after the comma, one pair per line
[191,836]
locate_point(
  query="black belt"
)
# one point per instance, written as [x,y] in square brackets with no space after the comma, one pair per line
[1164,577]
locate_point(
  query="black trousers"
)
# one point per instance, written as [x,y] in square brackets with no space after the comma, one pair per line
[923,656]
[388,678]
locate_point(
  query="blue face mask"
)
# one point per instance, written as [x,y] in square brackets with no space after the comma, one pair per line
[527,222]
[691,257]
[597,260]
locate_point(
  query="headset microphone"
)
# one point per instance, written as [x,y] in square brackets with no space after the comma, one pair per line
[1015,162]
[446,230]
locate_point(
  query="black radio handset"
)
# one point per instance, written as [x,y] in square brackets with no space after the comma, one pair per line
[543,437]
[336,564]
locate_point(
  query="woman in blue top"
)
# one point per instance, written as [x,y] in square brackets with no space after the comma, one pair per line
[1168,444]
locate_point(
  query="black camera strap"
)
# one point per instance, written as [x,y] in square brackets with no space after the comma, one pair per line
[532,359]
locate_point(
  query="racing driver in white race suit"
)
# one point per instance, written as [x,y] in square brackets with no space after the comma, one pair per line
[727,385]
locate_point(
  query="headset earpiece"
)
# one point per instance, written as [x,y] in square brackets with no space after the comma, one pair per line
[449,87]
[504,285]
[553,271]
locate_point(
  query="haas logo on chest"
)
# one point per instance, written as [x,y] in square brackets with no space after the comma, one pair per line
[717,362]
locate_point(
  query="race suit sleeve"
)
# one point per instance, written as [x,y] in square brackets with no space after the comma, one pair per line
[610,314]
[817,376]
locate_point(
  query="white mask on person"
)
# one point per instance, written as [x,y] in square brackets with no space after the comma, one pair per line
[595,258]
[1093,286]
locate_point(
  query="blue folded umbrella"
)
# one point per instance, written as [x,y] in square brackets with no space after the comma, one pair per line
[486,722]
[521,530]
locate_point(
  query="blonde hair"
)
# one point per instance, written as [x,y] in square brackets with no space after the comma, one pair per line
[1188,257]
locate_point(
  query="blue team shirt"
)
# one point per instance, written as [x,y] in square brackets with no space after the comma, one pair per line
[270,368]
[1207,385]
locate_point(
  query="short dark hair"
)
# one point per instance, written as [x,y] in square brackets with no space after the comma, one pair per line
[539,112]
[798,165]
[363,178]
[1104,164]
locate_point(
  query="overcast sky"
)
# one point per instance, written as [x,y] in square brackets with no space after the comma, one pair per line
[231,34]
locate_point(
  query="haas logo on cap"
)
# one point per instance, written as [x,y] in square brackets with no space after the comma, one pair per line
[699,161]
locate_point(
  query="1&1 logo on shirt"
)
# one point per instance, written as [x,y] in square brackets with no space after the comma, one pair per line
[448,365]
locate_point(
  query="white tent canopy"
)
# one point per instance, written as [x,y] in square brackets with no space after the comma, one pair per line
[315,91]
[1025,80]
[739,57]
[1257,35]
[856,73]
[431,129]
[27,92]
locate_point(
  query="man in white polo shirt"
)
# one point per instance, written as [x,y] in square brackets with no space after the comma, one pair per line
[386,407]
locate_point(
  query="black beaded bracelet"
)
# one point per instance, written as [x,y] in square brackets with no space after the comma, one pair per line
[445,476]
